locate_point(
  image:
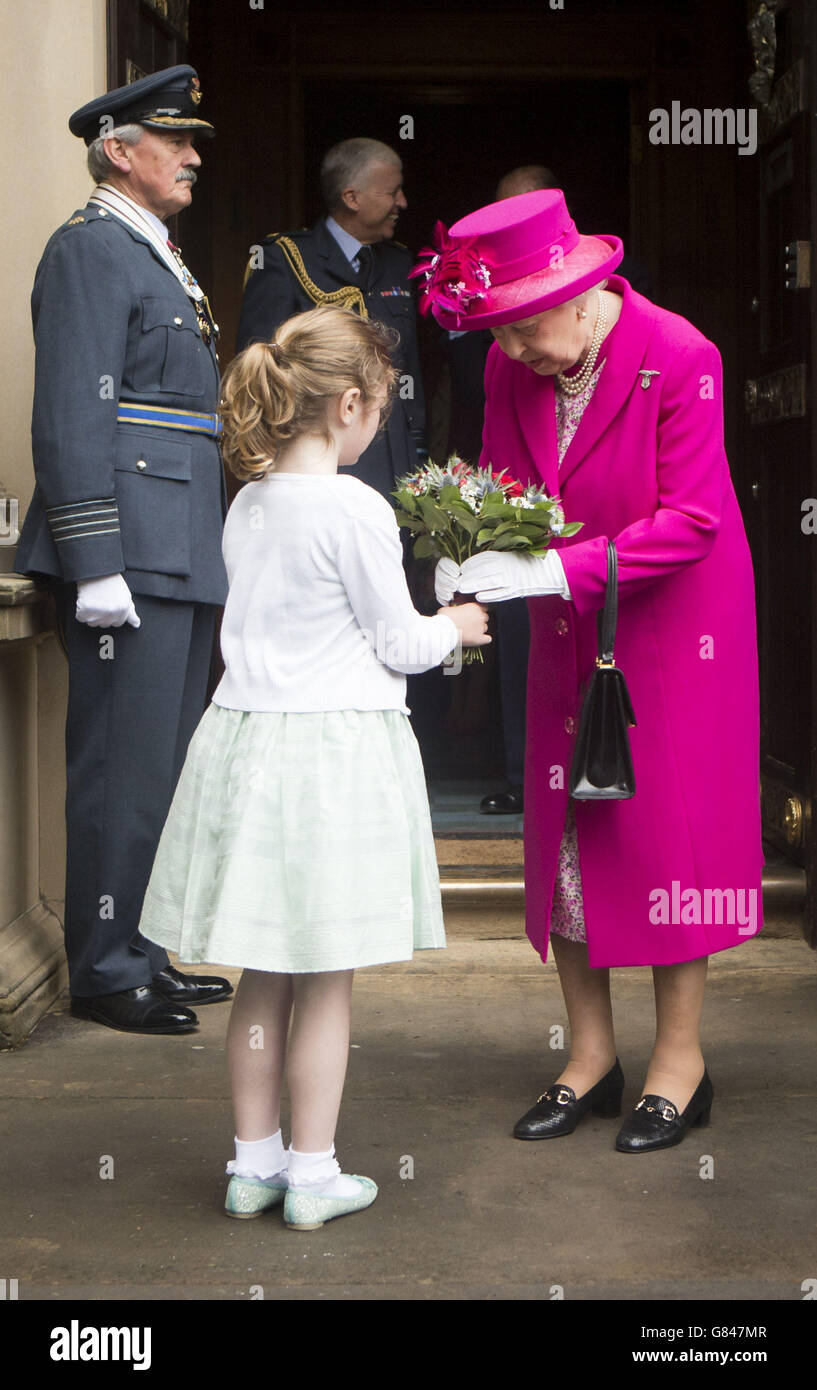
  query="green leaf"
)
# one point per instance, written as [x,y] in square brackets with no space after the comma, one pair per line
[493,502]
[511,542]
[450,495]
[434,517]
[572,528]
[532,533]
[425,546]
[469,524]
[403,519]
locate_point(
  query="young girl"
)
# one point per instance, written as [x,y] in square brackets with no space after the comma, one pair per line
[299,841]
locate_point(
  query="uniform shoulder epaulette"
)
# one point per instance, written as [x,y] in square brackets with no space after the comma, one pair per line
[276,236]
[87,217]
[271,238]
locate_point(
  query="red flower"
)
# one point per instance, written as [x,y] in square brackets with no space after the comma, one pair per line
[454,274]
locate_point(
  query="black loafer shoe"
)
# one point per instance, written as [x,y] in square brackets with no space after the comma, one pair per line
[139,1010]
[507,803]
[190,989]
[656,1124]
[559,1110]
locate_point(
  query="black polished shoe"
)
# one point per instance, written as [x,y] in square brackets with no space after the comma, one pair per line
[656,1124]
[190,989]
[559,1110]
[507,803]
[139,1010]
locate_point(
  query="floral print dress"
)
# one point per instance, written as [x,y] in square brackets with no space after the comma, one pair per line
[567,914]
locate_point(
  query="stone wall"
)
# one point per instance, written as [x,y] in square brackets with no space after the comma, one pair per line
[53,59]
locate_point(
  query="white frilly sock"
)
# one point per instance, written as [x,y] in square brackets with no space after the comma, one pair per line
[259,1158]
[320,1173]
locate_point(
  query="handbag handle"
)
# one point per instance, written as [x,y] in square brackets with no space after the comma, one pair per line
[607,618]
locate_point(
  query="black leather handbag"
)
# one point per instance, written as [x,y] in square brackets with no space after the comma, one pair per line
[602,767]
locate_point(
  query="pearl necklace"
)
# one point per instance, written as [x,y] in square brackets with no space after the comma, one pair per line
[574,385]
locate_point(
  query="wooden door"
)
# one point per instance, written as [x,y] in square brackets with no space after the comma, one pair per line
[778,319]
[145,36]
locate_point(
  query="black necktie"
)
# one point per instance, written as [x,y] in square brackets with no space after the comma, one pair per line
[365,259]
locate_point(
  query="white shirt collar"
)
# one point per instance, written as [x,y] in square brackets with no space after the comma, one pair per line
[348,244]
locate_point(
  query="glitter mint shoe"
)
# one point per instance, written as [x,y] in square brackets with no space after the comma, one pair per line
[306,1210]
[248,1197]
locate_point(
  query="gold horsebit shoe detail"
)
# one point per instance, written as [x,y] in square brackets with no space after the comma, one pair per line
[666,1111]
[561,1095]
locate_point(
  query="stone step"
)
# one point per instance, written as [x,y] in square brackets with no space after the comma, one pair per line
[483,890]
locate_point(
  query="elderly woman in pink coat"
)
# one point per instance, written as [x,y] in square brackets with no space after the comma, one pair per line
[616,405]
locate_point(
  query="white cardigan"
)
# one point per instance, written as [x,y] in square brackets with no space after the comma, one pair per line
[318,615]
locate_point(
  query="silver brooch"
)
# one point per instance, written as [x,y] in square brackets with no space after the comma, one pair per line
[646,377]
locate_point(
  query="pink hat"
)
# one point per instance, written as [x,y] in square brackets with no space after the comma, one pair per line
[510,260]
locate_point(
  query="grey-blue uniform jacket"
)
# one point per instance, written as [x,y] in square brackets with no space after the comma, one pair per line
[111,323]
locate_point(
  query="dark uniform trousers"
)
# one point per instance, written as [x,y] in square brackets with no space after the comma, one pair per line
[130,690]
[467,356]
[112,323]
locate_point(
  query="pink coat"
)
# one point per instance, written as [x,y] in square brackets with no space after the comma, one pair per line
[675,872]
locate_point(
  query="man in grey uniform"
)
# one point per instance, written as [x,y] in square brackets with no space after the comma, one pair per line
[126,519]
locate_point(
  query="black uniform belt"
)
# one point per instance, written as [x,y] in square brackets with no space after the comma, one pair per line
[168,418]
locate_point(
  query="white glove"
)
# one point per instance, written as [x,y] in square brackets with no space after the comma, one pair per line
[496,575]
[106,602]
[446,580]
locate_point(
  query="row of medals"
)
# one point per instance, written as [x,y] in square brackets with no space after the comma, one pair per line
[204,314]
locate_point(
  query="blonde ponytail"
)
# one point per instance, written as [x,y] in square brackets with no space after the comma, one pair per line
[276,391]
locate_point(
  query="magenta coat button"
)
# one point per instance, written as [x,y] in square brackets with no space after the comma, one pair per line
[562,627]
[570,724]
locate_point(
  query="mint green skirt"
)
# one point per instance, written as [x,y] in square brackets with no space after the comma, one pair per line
[297,842]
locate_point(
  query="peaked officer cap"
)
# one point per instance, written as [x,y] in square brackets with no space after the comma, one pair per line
[166,100]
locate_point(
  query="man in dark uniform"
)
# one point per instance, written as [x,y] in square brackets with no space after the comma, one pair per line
[126,519]
[350,258]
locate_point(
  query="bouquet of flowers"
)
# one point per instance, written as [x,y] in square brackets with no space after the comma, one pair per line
[459,510]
